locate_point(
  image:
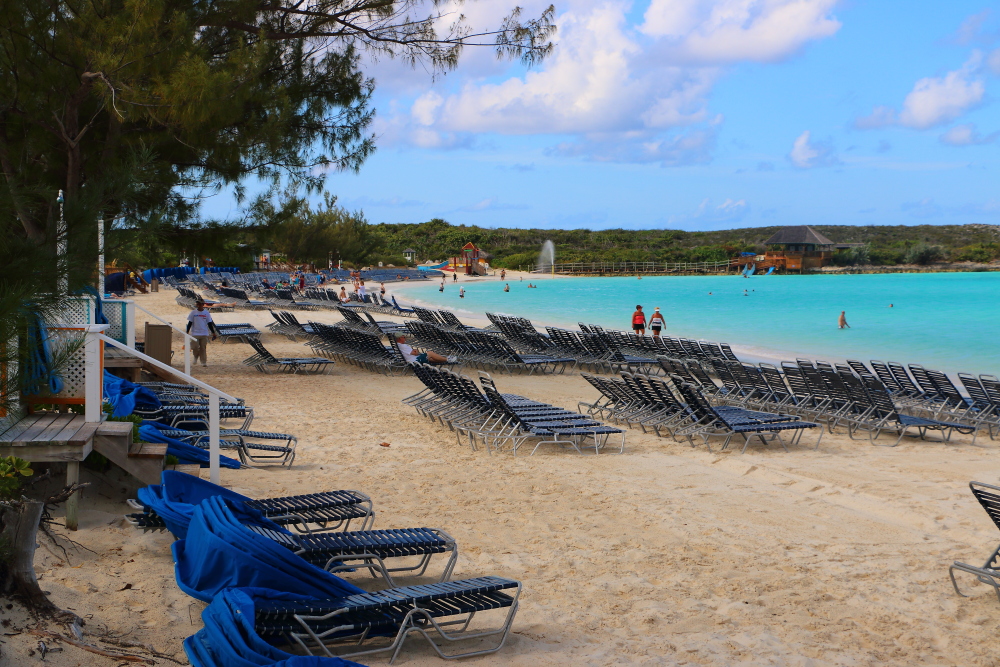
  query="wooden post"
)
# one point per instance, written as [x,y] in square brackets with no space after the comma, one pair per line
[73,502]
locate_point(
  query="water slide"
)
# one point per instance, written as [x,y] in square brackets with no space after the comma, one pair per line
[769,271]
[443,266]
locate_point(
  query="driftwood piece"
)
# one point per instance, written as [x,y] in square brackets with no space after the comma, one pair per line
[125,657]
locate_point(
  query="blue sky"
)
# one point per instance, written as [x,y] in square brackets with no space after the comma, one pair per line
[697,114]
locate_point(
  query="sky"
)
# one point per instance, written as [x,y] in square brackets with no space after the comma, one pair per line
[698,115]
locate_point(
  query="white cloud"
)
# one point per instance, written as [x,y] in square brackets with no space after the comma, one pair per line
[993,61]
[937,100]
[690,147]
[879,117]
[807,154]
[967,135]
[728,31]
[933,101]
[607,77]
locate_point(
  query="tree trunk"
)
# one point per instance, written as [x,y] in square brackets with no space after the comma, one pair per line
[19,521]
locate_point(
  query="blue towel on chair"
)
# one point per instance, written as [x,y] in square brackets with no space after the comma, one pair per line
[220,552]
[124,396]
[229,639]
[176,496]
[185,453]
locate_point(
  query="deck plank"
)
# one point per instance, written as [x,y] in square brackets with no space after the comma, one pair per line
[18,427]
[84,435]
[29,434]
[69,430]
[57,426]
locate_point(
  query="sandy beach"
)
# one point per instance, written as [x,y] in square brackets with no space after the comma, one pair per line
[664,555]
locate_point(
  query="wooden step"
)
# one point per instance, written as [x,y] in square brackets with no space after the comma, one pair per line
[114,440]
[147,450]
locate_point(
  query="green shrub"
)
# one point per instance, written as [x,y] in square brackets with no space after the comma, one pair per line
[12,469]
[924,253]
[522,259]
[978,252]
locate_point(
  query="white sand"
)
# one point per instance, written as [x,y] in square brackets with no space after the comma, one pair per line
[665,555]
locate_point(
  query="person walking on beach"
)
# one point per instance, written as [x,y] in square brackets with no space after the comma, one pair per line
[382,289]
[842,321]
[361,289]
[503,274]
[639,321]
[201,326]
[454,277]
[656,322]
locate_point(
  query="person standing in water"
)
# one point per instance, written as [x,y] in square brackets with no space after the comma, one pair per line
[506,287]
[639,321]
[461,292]
[842,321]
[656,323]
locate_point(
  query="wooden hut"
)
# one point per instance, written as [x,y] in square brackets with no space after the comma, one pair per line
[798,248]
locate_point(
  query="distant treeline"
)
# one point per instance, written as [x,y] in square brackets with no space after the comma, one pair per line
[300,234]
[885,245]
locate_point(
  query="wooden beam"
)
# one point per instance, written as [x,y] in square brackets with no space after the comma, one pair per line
[47,453]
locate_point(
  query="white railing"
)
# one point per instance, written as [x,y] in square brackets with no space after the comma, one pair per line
[95,381]
[187,338]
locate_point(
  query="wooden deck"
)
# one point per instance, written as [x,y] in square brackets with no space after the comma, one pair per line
[49,437]
[117,358]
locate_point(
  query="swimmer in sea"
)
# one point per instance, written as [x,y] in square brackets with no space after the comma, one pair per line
[842,321]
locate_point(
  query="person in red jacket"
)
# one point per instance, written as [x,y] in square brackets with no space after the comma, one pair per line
[639,321]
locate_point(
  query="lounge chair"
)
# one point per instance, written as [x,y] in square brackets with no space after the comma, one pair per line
[710,421]
[220,554]
[264,361]
[988,496]
[228,637]
[170,505]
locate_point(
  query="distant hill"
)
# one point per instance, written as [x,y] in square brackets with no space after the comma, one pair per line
[888,245]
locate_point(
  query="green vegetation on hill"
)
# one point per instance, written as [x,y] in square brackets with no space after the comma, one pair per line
[887,245]
[311,235]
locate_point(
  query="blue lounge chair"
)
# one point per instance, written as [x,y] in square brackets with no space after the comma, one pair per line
[171,504]
[229,637]
[221,554]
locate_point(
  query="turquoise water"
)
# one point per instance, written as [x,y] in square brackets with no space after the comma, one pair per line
[947,321]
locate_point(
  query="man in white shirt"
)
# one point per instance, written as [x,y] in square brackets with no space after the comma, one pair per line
[411,354]
[201,326]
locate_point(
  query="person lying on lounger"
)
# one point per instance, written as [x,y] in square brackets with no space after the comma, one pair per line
[412,354]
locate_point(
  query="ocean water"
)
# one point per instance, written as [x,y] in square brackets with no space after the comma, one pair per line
[946,321]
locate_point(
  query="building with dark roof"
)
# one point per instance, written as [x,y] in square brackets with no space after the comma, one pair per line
[798,248]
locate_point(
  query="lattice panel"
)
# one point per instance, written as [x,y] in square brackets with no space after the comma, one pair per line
[115,312]
[77,312]
[73,370]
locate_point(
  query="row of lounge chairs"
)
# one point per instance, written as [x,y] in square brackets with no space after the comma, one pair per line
[179,414]
[672,406]
[834,395]
[484,350]
[359,347]
[353,319]
[188,298]
[502,420]
[267,568]
[444,318]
